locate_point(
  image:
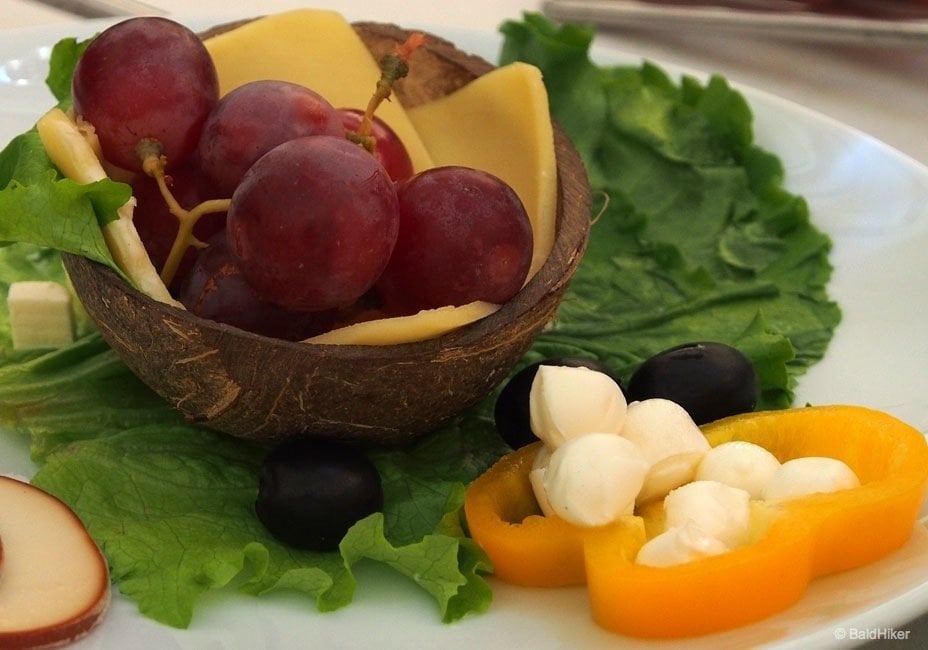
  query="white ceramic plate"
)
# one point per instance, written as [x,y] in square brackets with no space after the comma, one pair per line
[872,200]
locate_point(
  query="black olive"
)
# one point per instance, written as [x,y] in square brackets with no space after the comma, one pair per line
[709,380]
[511,412]
[312,491]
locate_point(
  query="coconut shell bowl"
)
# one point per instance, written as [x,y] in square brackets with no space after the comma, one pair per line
[265,389]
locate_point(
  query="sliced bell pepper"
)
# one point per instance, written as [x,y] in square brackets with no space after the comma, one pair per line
[526,548]
[791,543]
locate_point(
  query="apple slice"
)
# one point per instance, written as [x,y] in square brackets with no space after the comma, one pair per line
[54,584]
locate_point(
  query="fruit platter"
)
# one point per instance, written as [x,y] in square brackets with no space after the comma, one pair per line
[471,341]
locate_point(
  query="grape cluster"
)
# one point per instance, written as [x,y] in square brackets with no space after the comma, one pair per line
[272,210]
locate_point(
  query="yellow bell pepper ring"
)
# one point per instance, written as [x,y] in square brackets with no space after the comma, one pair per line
[525,547]
[791,543]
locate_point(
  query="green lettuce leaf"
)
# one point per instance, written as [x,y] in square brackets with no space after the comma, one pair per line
[697,239]
[37,205]
[199,531]
[74,227]
[61,66]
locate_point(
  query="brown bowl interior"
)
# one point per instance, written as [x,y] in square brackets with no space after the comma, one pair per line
[266,389]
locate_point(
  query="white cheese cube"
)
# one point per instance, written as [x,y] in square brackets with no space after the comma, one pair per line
[40,315]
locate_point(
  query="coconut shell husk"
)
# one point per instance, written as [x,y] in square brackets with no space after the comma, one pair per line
[266,389]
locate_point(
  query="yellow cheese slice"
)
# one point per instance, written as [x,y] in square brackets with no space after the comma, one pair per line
[500,123]
[317,49]
[427,324]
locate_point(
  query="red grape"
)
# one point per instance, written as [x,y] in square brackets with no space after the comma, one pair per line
[145,79]
[215,289]
[388,148]
[464,236]
[253,119]
[313,223]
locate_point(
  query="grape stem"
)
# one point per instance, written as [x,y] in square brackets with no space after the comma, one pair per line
[153,164]
[393,67]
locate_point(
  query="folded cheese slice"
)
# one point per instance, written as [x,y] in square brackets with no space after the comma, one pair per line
[500,123]
[317,49]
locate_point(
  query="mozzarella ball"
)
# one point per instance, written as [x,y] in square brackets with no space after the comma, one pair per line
[679,545]
[667,474]
[739,464]
[536,477]
[809,475]
[593,480]
[722,511]
[662,428]
[565,402]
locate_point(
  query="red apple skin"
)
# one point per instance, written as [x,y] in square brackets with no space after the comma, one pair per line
[79,624]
